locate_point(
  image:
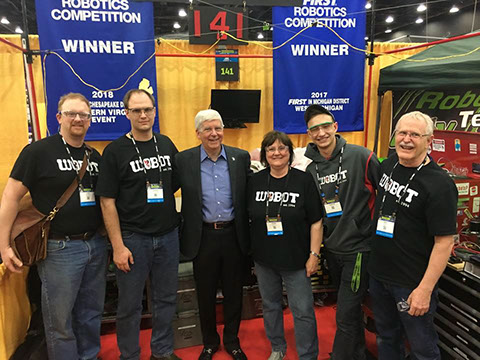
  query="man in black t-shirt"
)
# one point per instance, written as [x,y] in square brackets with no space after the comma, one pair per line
[137,185]
[73,273]
[415,220]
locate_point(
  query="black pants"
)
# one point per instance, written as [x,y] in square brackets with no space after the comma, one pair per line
[349,343]
[219,258]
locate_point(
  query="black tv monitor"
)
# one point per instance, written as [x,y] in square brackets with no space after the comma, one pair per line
[236,106]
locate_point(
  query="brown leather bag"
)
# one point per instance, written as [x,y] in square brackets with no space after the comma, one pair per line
[30,229]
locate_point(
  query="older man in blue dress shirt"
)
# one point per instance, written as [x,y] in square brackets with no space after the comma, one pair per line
[213,178]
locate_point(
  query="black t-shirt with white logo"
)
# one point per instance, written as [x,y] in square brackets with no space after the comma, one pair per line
[426,210]
[46,169]
[122,178]
[301,207]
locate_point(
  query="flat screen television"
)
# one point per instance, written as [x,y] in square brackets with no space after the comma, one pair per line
[236,106]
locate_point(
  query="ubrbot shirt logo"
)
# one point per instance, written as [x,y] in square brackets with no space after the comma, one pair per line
[397,190]
[151,163]
[68,165]
[288,198]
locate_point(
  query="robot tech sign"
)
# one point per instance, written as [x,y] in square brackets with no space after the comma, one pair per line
[453,110]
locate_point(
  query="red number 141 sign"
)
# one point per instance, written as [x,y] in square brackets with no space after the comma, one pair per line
[206,24]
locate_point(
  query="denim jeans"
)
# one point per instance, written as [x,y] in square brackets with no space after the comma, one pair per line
[300,301]
[349,343]
[156,256]
[392,323]
[73,293]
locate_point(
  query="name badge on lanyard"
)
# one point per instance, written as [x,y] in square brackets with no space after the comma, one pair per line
[274,226]
[154,193]
[385,226]
[87,196]
[333,207]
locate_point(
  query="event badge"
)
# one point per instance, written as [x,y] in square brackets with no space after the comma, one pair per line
[87,196]
[333,208]
[385,226]
[154,193]
[274,226]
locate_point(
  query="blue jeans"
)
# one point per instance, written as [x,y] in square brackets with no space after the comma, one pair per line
[156,256]
[300,301]
[349,343]
[73,293]
[392,323]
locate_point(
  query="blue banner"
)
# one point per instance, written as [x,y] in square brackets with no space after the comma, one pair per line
[317,67]
[104,42]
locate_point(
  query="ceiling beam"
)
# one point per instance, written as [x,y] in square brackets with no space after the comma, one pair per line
[234,2]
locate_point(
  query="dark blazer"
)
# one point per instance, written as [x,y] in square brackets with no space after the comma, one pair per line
[188,169]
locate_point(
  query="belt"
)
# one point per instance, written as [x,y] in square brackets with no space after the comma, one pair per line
[218,225]
[84,236]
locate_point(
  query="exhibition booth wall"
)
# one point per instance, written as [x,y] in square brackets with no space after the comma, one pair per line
[184,85]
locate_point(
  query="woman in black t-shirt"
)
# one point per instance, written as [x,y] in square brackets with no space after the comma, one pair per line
[286,231]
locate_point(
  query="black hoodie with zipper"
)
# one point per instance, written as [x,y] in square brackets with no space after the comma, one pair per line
[350,232]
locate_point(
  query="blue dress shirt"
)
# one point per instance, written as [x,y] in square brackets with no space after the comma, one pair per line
[217,203]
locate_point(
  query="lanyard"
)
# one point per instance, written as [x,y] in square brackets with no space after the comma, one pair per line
[268,195]
[404,190]
[73,164]
[337,184]
[357,273]
[130,135]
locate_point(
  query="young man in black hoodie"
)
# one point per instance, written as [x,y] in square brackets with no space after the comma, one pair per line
[347,177]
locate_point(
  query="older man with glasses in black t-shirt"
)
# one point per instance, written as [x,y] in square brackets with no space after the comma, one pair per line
[415,220]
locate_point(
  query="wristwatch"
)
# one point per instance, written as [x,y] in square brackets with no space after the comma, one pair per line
[314,253]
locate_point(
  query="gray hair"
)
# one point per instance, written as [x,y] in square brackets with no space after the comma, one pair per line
[207,115]
[417,115]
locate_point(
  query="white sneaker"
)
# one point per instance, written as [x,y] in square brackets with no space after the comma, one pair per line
[276,355]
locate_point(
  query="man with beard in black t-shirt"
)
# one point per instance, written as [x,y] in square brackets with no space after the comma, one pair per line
[415,220]
[137,186]
[73,273]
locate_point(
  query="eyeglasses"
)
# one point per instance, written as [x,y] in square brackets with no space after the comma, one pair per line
[73,115]
[280,149]
[209,130]
[138,111]
[413,135]
[315,129]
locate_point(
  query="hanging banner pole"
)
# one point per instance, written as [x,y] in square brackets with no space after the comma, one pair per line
[246,56]
[31,96]
[30,84]
[371,62]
